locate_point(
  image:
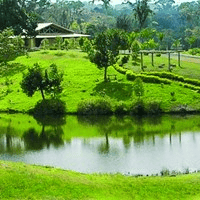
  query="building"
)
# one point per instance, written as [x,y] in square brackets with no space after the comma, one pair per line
[50,31]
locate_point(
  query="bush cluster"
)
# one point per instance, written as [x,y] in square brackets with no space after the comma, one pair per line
[104,107]
[140,108]
[94,107]
[194,51]
[49,107]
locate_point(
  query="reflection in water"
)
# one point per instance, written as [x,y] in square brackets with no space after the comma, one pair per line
[105,144]
[34,140]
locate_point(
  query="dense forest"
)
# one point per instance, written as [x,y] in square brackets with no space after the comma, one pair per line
[170,24]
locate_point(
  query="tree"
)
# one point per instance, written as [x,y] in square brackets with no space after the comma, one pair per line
[35,80]
[106,3]
[10,46]
[124,22]
[106,49]
[13,15]
[141,11]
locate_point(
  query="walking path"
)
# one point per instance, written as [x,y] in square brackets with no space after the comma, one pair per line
[184,57]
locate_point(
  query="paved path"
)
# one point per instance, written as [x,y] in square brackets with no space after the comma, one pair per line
[184,57]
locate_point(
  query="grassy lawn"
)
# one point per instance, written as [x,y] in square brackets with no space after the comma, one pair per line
[83,81]
[22,181]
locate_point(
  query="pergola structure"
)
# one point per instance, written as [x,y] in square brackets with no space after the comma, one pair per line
[161,52]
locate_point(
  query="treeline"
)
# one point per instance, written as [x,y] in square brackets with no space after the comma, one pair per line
[178,25]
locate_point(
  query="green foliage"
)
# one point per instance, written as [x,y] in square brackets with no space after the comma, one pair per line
[124,22]
[10,46]
[138,108]
[94,107]
[14,15]
[194,51]
[34,81]
[53,81]
[49,107]
[45,44]
[138,87]
[58,42]
[73,43]
[121,108]
[65,44]
[86,45]
[135,48]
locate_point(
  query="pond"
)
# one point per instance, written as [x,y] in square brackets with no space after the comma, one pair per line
[92,144]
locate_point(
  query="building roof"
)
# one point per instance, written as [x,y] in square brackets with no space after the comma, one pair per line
[41,26]
[75,35]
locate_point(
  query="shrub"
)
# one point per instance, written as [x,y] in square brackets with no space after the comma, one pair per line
[158,54]
[194,51]
[49,107]
[94,107]
[65,44]
[154,108]
[138,108]
[121,108]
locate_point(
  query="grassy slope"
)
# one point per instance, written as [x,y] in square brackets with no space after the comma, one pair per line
[22,181]
[82,80]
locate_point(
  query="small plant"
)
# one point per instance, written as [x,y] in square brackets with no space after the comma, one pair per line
[158,54]
[165,172]
[138,87]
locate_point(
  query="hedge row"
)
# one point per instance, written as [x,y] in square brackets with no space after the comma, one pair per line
[121,70]
[130,75]
[174,77]
[160,77]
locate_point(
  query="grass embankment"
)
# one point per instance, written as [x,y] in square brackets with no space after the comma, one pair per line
[22,181]
[83,81]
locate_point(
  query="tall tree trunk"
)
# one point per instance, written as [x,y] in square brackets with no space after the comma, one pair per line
[105,74]
[42,93]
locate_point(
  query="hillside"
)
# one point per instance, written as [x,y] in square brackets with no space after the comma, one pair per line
[84,81]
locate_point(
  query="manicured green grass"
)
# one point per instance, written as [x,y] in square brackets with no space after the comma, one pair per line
[83,81]
[22,181]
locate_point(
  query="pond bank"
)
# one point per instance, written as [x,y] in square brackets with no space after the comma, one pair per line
[22,181]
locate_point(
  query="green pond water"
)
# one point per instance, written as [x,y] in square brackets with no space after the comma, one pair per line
[92,144]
